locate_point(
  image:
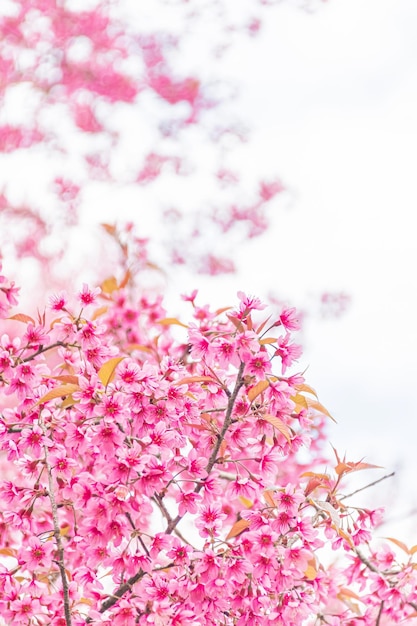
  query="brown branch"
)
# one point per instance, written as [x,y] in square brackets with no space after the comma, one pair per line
[58,540]
[226,424]
[220,437]
[173,522]
[42,349]
[381,608]
[375,482]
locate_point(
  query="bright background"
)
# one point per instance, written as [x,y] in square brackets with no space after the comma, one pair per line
[331,97]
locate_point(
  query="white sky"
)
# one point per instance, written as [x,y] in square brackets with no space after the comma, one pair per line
[332,99]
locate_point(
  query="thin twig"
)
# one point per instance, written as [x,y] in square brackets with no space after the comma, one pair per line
[173,522]
[381,608]
[220,437]
[58,540]
[42,349]
[375,482]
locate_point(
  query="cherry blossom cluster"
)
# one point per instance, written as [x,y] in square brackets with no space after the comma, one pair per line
[162,472]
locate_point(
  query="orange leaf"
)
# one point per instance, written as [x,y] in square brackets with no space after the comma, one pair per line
[125,279]
[314,483]
[347,593]
[269,499]
[8,552]
[348,467]
[267,340]
[98,312]
[237,528]
[262,326]
[306,388]
[257,389]
[279,425]
[400,544]
[66,378]
[311,571]
[222,449]
[313,404]
[315,475]
[21,317]
[109,285]
[169,321]
[188,380]
[248,503]
[345,536]
[300,402]
[110,228]
[107,370]
[58,392]
[69,401]
[223,310]
[236,321]
[138,346]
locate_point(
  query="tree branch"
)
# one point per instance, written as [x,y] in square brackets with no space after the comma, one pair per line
[173,522]
[42,349]
[58,540]
[375,482]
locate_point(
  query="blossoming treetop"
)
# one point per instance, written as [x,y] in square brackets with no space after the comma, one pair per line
[157,479]
[157,470]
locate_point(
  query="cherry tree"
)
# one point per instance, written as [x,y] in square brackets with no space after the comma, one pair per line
[161,477]
[157,469]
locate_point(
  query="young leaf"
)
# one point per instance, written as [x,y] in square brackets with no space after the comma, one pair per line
[269,499]
[300,402]
[311,571]
[400,544]
[279,425]
[246,502]
[110,228]
[267,341]
[257,389]
[58,392]
[262,325]
[223,310]
[109,285]
[313,404]
[125,279]
[196,379]
[100,311]
[8,552]
[315,475]
[107,370]
[138,346]
[307,389]
[237,528]
[236,321]
[347,593]
[66,378]
[348,467]
[169,321]
[21,317]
